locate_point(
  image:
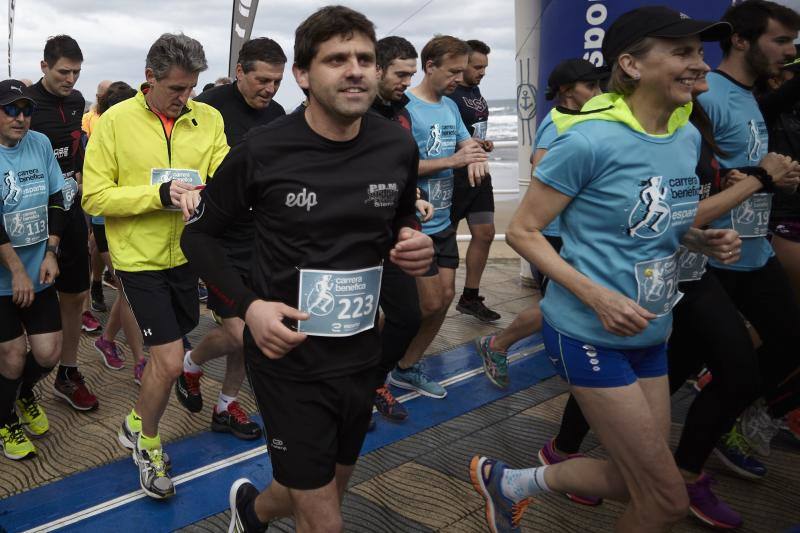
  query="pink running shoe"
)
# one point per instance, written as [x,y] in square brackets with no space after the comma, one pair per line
[549,456]
[138,370]
[89,323]
[111,357]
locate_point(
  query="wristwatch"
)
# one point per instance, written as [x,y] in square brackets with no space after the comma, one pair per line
[52,248]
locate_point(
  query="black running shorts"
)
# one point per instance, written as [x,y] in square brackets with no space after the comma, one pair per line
[445,249]
[476,204]
[42,316]
[73,254]
[311,426]
[164,302]
[99,232]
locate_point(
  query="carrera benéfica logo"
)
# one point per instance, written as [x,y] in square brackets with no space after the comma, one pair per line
[304,198]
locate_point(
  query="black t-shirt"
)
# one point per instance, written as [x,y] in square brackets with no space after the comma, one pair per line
[344,228]
[239,118]
[474,113]
[59,118]
[395,111]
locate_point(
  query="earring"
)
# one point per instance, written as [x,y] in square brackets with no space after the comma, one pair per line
[636,77]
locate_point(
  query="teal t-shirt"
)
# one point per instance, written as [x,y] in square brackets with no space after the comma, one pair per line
[741,133]
[437,129]
[634,196]
[546,133]
[30,174]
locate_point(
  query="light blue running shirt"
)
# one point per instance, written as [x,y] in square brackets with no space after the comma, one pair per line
[634,196]
[546,133]
[29,175]
[741,133]
[438,129]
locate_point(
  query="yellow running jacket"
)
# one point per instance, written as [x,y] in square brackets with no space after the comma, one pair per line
[128,143]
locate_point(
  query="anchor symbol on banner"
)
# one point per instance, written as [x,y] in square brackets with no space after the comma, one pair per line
[526,102]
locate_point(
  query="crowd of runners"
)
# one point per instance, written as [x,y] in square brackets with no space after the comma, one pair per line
[662,224]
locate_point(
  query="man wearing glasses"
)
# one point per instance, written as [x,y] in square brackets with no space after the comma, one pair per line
[32,219]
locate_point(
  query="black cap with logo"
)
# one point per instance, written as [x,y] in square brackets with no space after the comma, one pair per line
[657,21]
[571,71]
[11,91]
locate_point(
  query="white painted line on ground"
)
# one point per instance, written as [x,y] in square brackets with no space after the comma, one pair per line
[230,461]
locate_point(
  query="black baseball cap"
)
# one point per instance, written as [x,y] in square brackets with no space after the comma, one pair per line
[570,71]
[11,91]
[657,21]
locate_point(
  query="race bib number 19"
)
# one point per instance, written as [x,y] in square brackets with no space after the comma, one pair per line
[751,217]
[339,303]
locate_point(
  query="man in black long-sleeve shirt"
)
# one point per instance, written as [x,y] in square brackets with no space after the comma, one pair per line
[332,192]
[245,104]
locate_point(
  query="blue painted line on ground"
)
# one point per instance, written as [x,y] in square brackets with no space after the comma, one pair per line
[207,495]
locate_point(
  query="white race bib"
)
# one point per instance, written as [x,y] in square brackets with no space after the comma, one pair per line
[163,175]
[657,282]
[751,217]
[27,226]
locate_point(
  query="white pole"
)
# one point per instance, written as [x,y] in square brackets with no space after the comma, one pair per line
[527,14]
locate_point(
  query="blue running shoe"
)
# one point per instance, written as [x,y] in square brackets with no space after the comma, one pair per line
[413,378]
[502,515]
[734,451]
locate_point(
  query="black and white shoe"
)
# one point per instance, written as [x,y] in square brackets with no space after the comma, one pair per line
[241,494]
[153,477]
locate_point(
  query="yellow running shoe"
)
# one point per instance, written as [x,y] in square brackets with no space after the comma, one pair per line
[14,442]
[32,416]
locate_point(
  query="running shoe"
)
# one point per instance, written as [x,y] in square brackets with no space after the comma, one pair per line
[98,298]
[32,416]
[89,323]
[705,505]
[758,427]
[549,456]
[202,292]
[153,477]
[235,420]
[413,378]
[703,379]
[138,370]
[388,406]
[735,453]
[495,364]
[187,389]
[241,494]
[109,280]
[73,391]
[477,309]
[111,356]
[128,436]
[502,515]
[14,442]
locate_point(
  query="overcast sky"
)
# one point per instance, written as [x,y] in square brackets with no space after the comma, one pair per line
[115,35]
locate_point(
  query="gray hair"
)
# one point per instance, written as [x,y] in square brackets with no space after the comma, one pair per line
[175,50]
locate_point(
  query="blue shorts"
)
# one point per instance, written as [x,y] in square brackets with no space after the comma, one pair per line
[586,365]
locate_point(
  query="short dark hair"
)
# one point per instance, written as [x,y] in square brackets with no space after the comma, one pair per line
[325,23]
[116,93]
[478,46]
[61,46]
[260,49]
[750,18]
[393,47]
[440,46]
[208,86]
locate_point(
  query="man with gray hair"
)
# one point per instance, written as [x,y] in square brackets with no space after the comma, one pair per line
[145,154]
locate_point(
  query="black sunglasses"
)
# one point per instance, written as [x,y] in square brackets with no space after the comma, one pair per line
[12,110]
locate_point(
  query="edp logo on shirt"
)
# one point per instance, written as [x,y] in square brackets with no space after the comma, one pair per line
[307,199]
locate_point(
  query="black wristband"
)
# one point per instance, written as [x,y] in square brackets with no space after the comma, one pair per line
[767,183]
[52,248]
[163,193]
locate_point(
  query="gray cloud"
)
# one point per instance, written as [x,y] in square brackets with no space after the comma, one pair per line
[115,35]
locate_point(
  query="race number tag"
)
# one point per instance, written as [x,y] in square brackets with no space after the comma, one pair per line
[657,282]
[163,175]
[751,217]
[479,130]
[26,227]
[691,265]
[69,191]
[440,192]
[339,303]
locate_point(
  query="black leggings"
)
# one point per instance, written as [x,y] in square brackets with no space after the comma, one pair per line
[400,305]
[707,329]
